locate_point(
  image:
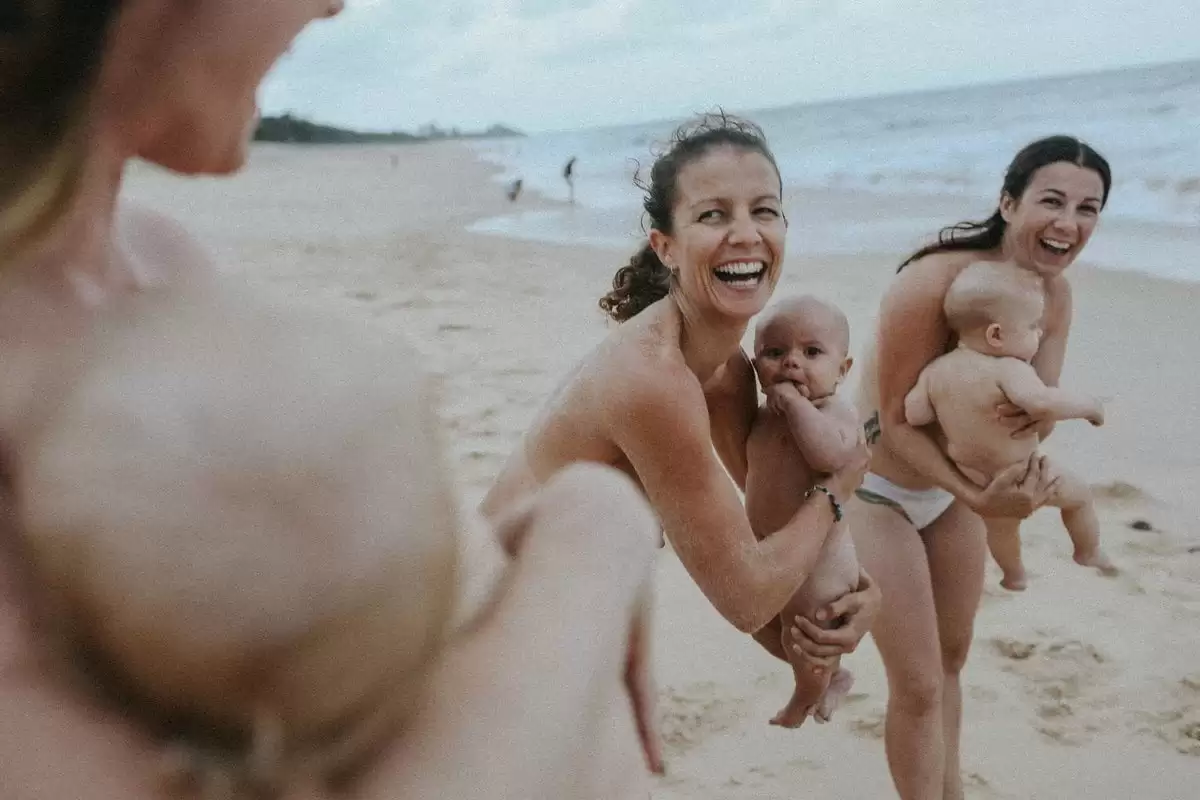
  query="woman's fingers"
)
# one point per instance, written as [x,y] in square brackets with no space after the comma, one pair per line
[817,642]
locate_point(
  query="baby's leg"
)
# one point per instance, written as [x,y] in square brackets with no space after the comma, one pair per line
[1004,542]
[1079,516]
[1004,539]
[811,682]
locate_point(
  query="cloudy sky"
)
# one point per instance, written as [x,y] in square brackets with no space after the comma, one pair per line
[554,64]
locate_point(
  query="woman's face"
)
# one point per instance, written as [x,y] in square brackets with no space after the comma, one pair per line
[728,234]
[1054,217]
[187,72]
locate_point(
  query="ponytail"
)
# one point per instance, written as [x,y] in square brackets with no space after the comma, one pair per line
[640,283]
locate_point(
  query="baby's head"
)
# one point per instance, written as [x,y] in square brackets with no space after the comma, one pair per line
[996,309]
[803,340]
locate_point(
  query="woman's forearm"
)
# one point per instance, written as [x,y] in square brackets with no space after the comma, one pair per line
[780,564]
[921,452]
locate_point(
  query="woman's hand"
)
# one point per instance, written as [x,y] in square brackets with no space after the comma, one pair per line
[1017,491]
[857,612]
[1018,421]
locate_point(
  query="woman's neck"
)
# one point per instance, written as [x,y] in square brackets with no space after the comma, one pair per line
[707,341]
[81,254]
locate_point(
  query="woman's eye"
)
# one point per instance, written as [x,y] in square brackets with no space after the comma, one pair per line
[1091,211]
[711,215]
[1053,202]
[766,211]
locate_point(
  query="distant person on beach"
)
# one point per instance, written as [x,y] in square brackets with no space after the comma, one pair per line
[803,432]
[514,190]
[155,405]
[995,310]
[671,384]
[569,177]
[917,520]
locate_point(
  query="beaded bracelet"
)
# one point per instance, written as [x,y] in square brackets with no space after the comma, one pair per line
[837,507]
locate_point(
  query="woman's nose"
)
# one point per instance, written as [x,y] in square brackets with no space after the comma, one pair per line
[744,231]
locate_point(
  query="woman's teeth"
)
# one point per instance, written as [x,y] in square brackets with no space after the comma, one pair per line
[1056,247]
[742,274]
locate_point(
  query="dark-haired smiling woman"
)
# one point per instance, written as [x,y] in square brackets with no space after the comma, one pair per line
[671,383]
[916,520]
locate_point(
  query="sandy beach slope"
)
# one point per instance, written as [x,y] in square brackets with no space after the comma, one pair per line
[1080,687]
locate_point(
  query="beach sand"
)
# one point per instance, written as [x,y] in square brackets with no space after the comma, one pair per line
[1079,687]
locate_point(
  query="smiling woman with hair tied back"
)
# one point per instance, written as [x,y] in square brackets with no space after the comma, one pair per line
[917,518]
[671,382]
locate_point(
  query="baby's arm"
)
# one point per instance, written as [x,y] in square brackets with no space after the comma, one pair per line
[1022,386]
[918,408]
[827,435]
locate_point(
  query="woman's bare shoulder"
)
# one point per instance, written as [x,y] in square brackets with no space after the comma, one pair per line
[161,244]
[643,369]
[940,267]
[1058,301]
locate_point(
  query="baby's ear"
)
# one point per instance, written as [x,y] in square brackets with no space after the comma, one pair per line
[994,334]
[846,365]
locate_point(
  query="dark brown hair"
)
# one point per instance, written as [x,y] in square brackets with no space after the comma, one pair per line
[50,54]
[988,234]
[645,279]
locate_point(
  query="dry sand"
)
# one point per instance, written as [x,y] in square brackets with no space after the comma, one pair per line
[1079,687]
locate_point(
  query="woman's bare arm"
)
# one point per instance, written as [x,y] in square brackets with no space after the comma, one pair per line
[662,426]
[732,398]
[1052,353]
[912,333]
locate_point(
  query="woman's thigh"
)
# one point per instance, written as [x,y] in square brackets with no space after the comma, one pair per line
[956,543]
[906,631]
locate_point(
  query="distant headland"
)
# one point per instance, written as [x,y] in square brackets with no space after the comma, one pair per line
[287,128]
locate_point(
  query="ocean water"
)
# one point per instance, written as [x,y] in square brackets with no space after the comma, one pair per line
[949,147]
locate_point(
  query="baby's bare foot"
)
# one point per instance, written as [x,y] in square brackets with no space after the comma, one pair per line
[1098,560]
[839,687]
[792,715]
[1015,581]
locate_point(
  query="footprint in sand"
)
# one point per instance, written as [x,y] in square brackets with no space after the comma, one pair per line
[1178,726]
[1120,493]
[691,714]
[869,726]
[1067,679]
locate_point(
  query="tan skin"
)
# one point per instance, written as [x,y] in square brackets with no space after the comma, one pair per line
[177,87]
[933,579]
[669,385]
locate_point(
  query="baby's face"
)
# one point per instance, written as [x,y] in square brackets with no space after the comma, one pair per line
[806,350]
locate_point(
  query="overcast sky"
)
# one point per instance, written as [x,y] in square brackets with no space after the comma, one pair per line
[552,64]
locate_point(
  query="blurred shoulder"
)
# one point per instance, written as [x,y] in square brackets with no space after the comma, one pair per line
[161,244]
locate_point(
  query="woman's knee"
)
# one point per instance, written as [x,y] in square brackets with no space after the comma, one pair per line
[916,693]
[955,651]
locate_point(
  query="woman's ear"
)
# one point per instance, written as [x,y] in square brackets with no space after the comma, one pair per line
[661,244]
[1008,204]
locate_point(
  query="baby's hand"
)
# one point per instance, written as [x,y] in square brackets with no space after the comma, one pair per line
[781,395]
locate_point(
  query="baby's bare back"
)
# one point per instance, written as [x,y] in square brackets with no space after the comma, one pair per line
[243,510]
[776,481]
[964,390]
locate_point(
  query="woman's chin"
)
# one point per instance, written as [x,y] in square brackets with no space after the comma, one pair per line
[201,154]
[743,303]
